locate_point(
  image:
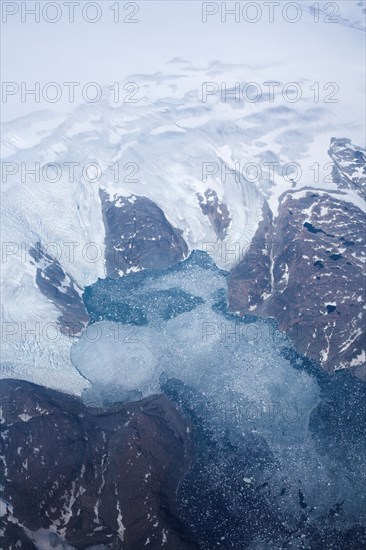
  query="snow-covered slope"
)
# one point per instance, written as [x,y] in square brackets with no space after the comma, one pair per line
[351,13]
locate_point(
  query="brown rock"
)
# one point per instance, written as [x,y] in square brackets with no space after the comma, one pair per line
[306,270]
[92,476]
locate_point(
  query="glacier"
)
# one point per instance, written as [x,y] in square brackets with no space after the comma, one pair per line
[169,135]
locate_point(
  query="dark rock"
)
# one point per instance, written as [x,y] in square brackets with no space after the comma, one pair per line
[91,476]
[138,235]
[59,287]
[216,211]
[349,171]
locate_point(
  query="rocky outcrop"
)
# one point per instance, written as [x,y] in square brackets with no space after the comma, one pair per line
[138,235]
[59,287]
[216,211]
[349,170]
[84,477]
[306,269]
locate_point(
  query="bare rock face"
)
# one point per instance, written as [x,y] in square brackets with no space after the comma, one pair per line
[78,477]
[349,171]
[217,212]
[59,287]
[306,269]
[138,235]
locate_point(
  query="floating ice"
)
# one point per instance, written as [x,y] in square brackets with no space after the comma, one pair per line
[238,378]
